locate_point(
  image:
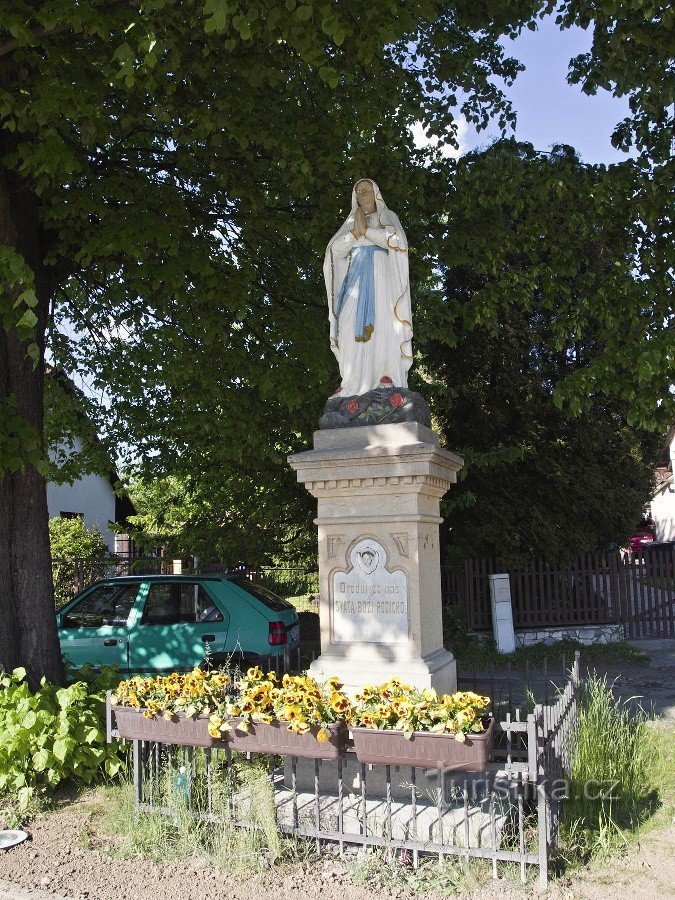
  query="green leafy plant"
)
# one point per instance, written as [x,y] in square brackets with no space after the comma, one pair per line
[52,735]
[80,556]
[71,539]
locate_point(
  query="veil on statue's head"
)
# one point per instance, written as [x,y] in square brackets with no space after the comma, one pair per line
[385,216]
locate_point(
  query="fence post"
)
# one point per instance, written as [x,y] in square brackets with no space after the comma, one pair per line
[138,773]
[535,755]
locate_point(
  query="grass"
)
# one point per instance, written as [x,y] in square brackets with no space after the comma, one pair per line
[218,840]
[452,876]
[304,603]
[481,652]
[621,775]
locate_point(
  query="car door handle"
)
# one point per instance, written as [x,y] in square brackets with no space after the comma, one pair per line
[208,638]
[110,642]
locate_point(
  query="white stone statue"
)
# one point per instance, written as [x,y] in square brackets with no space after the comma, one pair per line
[366,272]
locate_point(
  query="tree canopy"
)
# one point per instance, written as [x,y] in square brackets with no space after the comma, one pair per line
[536,277]
[170,171]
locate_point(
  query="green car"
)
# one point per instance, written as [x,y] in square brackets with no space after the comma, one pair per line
[166,623]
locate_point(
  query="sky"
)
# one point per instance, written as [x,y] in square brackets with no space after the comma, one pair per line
[549,109]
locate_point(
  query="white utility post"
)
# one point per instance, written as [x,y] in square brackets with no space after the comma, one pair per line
[502,613]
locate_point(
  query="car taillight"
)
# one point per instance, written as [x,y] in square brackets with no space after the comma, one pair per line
[277,634]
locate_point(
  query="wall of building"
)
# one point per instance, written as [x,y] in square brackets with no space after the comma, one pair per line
[91,497]
[662,509]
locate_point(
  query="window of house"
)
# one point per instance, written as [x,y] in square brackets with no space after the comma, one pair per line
[172,603]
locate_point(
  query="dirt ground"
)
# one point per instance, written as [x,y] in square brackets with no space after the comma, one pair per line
[68,857]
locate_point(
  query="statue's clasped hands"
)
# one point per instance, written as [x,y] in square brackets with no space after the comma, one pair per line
[360,223]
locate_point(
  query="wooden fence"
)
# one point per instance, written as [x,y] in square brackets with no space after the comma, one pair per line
[594,589]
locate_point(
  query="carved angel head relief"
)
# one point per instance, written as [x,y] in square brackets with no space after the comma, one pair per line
[367,556]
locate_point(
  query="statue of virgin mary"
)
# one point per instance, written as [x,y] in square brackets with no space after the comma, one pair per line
[366,272]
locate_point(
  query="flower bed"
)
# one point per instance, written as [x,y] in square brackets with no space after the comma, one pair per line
[424,749]
[278,738]
[296,716]
[188,731]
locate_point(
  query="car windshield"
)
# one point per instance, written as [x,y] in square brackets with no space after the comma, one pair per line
[262,593]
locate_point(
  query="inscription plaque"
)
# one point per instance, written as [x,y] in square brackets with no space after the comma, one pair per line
[369,604]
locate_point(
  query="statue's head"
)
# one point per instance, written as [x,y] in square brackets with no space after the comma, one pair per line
[365,195]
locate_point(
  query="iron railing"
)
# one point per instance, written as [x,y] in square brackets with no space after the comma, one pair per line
[508,814]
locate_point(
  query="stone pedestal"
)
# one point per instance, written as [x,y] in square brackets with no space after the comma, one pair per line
[378,490]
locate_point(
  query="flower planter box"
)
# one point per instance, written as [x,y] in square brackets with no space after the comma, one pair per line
[182,730]
[425,749]
[281,741]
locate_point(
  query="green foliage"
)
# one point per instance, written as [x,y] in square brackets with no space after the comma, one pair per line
[541,294]
[52,735]
[217,837]
[184,219]
[18,299]
[74,426]
[20,442]
[79,556]
[613,773]
[71,539]
[249,517]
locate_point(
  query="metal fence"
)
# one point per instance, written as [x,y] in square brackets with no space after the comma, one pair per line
[508,814]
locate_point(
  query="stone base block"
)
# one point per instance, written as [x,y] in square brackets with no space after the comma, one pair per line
[436,670]
[425,782]
[481,826]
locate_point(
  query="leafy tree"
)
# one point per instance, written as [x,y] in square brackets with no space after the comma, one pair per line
[244,518]
[169,172]
[78,555]
[536,275]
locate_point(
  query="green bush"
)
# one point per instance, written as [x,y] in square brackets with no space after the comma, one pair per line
[71,539]
[80,557]
[52,735]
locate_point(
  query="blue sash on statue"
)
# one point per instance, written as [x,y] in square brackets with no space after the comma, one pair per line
[360,275]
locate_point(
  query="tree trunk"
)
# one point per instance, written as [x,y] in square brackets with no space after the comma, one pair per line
[28,635]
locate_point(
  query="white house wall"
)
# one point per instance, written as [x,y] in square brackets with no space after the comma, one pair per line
[662,507]
[91,496]
[663,513]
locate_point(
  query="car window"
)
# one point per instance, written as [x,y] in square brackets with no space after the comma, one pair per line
[173,603]
[109,604]
[259,591]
